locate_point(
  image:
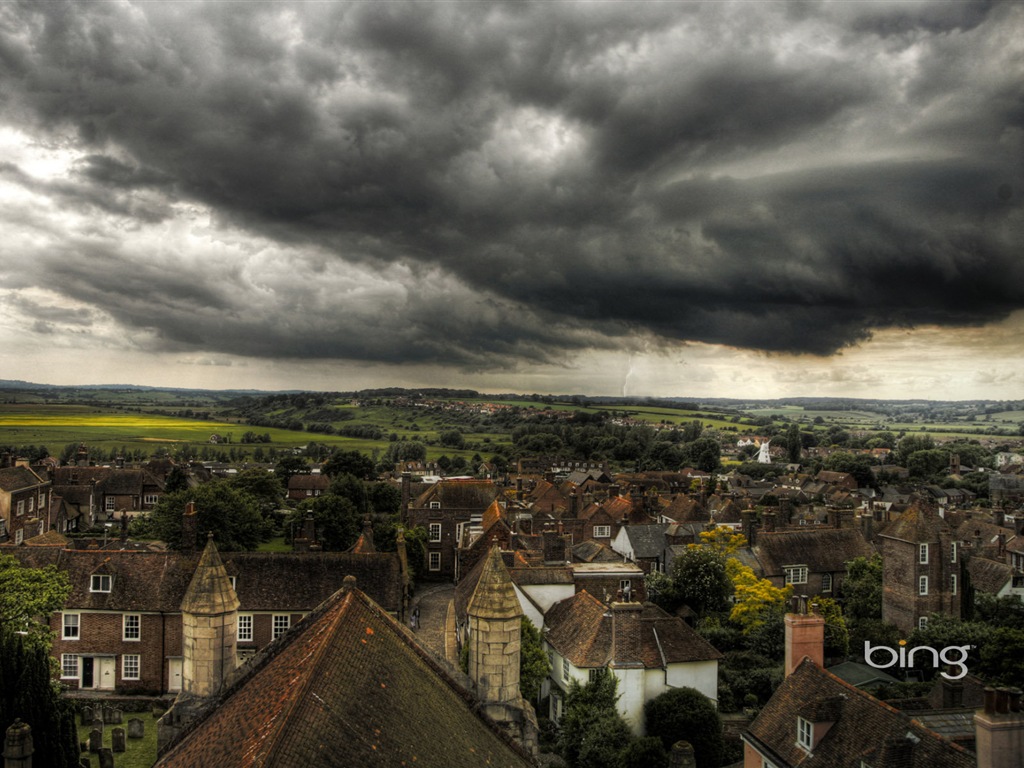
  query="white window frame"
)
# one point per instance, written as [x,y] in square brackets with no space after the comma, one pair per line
[31,504]
[151,498]
[20,508]
[234,582]
[98,580]
[435,532]
[826,582]
[131,627]
[804,734]
[566,670]
[131,666]
[922,586]
[19,536]
[952,583]
[952,552]
[245,623]
[280,624]
[71,621]
[602,531]
[435,505]
[42,499]
[922,554]
[69,666]
[795,574]
[922,622]
[110,504]
[434,561]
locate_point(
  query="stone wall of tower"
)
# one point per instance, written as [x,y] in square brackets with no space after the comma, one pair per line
[494,650]
[209,652]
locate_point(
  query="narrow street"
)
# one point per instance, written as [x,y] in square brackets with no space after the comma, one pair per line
[436,630]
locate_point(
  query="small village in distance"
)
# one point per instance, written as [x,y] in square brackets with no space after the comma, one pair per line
[446,578]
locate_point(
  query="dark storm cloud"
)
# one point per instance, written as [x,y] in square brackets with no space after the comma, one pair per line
[773,176]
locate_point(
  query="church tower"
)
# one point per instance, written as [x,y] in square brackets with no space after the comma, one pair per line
[495,631]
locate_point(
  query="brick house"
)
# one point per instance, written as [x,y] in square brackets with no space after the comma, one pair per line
[109,491]
[121,627]
[445,509]
[24,504]
[307,486]
[921,569]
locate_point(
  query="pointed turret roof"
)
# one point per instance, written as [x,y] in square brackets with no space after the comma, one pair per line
[210,591]
[494,596]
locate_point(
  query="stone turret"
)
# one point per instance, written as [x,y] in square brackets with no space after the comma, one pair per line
[495,631]
[209,619]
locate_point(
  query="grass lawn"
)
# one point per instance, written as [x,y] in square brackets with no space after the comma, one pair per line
[140,753]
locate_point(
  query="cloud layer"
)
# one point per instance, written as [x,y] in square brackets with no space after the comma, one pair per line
[484,184]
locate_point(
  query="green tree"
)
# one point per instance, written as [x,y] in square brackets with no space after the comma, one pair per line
[910,445]
[534,665]
[837,635]
[646,752]
[260,485]
[700,581]
[233,516]
[1002,658]
[30,594]
[28,692]
[862,588]
[593,734]
[177,480]
[349,463]
[794,445]
[704,453]
[687,714]
[337,519]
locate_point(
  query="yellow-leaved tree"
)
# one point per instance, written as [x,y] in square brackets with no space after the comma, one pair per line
[723,539]
[754,598]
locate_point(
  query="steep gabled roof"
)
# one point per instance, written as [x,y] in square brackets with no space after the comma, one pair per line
[16,478]
[988,576]
[348,686]
[916,525]
[821,550]
[647,540]
[459,494]
[863,728]
[580,629]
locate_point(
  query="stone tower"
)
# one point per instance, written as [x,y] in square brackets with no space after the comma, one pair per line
[208,626]
[494,647]
[209,618]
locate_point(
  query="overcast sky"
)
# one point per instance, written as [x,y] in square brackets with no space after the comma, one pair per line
[648,198]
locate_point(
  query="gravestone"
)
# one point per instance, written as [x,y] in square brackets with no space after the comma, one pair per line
[97,723]
[83,746]
[95,739]
[111,715]
[117,739]
[136,728]
[106,758]
[84,762]
[87,715]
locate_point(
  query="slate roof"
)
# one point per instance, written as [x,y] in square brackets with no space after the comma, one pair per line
[824,550]
[346,687]
[266,581]
[864,728]
[591,551]
[647,540]
[580,629]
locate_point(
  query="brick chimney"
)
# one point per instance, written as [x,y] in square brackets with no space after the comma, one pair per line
[805,636]
[769,522]
[748,527]
[18,747]
[626,629]
[189,529]
[999,729]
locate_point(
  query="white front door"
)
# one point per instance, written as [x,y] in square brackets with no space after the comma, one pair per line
[105,673]
[174,674]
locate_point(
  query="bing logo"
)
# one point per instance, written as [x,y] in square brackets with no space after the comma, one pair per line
[954,656]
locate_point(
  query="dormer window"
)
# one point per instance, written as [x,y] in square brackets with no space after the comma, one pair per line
[100,582]
[804,733]
[435,505]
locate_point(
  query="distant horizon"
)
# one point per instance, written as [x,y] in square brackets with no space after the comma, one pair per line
[605,197]
[5,386]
